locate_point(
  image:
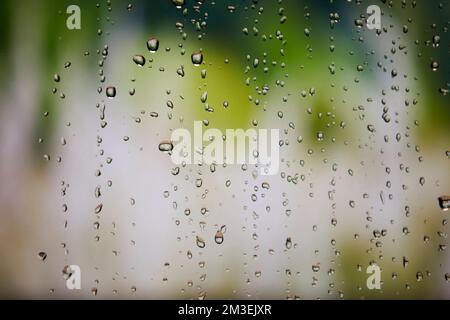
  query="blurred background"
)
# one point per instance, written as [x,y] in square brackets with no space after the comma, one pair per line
[364,150]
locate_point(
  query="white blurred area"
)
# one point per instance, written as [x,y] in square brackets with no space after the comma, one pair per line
[152,237]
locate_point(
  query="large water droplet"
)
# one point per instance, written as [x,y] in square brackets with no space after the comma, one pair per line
[152,45]
[165,146]
[139,60]
[197,58]
[111,92]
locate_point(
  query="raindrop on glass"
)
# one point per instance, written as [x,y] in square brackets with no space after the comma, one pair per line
[152,45]
[218,238]
[111,92]
[444,202]
[139,60]
[197,58]
[165,146]
[42,255]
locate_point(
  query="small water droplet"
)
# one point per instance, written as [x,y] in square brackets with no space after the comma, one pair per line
[180,71]
[436,41]
[288,243]
[200,242]
[444,202]
[394,73]
[204,97]
[178,3]
[42,255]
[405,262]
[422,181]
[434,65]
[218,238]
[99,208]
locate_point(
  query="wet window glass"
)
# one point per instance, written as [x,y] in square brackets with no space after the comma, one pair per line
[228,149]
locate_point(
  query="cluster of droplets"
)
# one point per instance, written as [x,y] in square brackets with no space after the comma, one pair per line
[295,172]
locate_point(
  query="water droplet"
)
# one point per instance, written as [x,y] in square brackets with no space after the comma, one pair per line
[152,45]
[111,92]
[180,71]
[288,243]
[422,181]
[218,238]
[443,91]
[444,202]
[204,97]
[99,208]
[178,3]
[66,272]
[139,60]
[197,58]
[320,136]
[202,295]
[419,276]
[200,242]
[436,41]
[405,262]
[434,65]
[42,255]
[165,146]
